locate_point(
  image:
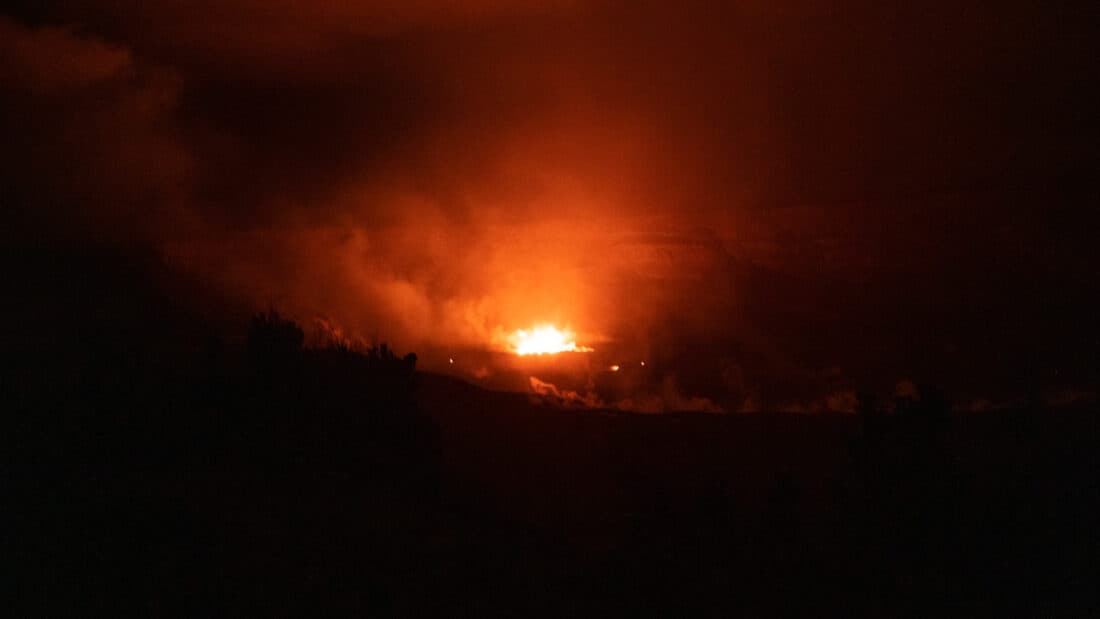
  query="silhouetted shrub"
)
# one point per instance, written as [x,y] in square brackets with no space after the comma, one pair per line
[272,337]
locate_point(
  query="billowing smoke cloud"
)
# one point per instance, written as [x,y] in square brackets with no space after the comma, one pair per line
[726,191]
[92,148]
[667,398]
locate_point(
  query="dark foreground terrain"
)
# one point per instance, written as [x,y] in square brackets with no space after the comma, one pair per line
[336,483]
[153,468]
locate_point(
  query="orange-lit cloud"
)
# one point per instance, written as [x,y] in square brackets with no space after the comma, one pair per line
[728,191]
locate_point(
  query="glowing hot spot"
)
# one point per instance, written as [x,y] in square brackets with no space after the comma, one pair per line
[544,340]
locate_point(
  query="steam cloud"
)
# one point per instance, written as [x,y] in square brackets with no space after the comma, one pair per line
[706,186]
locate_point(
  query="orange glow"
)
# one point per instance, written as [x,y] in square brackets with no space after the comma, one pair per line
[544,340]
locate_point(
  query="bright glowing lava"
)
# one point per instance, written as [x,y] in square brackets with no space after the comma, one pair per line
[544,340]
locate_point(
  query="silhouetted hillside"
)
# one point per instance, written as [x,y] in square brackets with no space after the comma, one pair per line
[196,474]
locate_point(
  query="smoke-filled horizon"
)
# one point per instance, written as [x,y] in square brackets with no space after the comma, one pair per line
[799,201]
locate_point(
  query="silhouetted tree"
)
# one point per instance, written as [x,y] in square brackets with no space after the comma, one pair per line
[867,405]
[271,337]
[924,417]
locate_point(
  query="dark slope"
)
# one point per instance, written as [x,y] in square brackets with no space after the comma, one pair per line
[777,514]
[155,469]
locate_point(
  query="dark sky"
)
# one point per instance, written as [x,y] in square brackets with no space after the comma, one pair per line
[776,204]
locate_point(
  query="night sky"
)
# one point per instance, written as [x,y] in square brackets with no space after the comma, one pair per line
[774,207]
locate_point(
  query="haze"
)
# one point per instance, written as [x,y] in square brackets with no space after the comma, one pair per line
[773,207]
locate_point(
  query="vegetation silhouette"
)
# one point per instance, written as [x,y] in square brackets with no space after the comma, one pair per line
[272,338]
